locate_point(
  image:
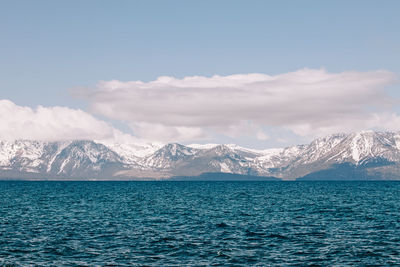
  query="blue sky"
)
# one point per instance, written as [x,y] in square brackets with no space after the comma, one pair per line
[49,47]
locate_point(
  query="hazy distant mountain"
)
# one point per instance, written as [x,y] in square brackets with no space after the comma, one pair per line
[364,155]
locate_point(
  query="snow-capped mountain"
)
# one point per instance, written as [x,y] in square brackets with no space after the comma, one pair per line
[359,150]
[34,159]
[362,155]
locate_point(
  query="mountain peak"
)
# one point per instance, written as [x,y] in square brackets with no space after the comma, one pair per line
[376,153]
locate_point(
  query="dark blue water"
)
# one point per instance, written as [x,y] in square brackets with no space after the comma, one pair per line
[199,223]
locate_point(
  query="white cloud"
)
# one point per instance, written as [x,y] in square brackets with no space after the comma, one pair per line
[161,132]
[262,136]
[308,102]
[52,124]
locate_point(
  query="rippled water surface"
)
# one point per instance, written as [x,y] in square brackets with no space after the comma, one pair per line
[199,223]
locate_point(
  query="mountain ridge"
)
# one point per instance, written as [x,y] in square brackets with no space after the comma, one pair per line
[368,153]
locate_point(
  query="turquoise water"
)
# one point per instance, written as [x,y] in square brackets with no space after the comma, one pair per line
[199,223]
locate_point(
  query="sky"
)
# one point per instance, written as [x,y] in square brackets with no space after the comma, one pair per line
[259,74]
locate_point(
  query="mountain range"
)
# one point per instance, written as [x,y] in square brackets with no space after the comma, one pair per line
[366,155]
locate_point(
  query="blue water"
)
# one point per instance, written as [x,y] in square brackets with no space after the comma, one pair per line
[199,223]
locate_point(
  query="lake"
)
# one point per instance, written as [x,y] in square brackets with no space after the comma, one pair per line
[199,223]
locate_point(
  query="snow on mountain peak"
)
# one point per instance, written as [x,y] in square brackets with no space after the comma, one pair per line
[202,146]
[93,158]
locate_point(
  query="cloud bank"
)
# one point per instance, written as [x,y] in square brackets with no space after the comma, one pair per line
[308,102]
[51,124]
